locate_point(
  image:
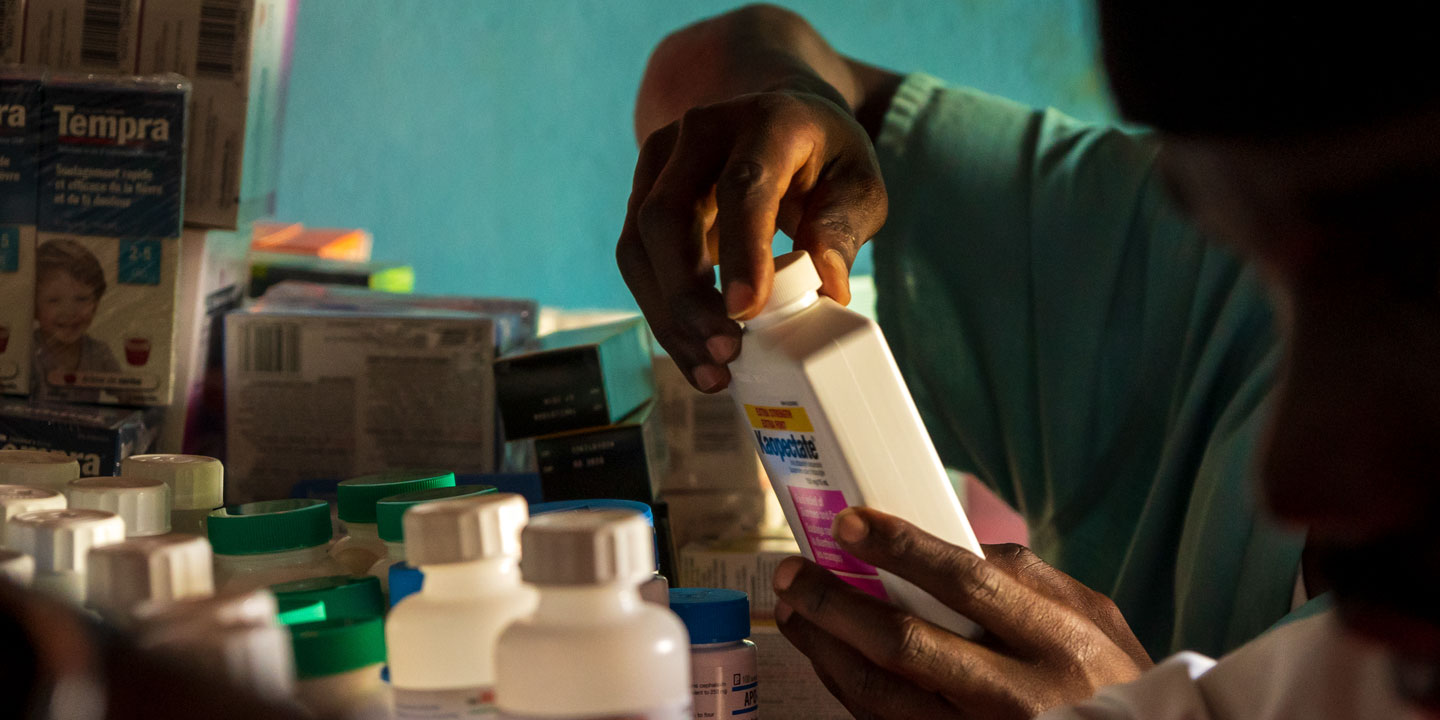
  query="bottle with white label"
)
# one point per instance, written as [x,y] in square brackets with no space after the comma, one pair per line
[197,485]
[723,661]
[593,649]
[442,639]
[836,427]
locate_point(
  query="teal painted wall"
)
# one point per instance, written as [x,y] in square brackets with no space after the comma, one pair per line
[489,142]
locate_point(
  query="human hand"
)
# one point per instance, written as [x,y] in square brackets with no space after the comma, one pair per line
[1048,640]
[732,173]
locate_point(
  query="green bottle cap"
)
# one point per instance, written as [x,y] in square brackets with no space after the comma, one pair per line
[269,526]
[344,596]
[388,512]
[299,612]
[359,495]
[334,646]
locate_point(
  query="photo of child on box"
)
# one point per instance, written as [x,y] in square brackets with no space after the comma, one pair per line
[69,284]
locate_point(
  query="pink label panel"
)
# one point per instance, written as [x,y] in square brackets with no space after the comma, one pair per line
[817,510]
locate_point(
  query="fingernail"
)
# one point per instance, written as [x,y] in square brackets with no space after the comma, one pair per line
[849,527]
[785,573]
[738,298]
[782,611]
[708,377]
[722,348]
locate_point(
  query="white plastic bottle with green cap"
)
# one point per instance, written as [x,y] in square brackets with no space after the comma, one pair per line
[197,485]
[273,541]
[442,639]
[836,427]
[593,648]
[17,499]
[158,570]
[37,468]
[60,543]
[144,504]
[389,515]
[17,567]
[361,547]
[337,667]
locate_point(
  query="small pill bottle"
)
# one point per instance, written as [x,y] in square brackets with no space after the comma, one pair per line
[37,468]
[60,541]
[361,546]
[197,486]
[273,541]
[389,514]
[144,504]
[337,666]
[147,571]
[722,659]
[17,499]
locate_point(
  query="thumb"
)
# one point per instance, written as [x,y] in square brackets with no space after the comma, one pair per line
[841,214]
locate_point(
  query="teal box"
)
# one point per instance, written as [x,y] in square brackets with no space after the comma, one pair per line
[577,379]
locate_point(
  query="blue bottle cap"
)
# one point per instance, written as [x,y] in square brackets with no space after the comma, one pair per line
[712,615]
[568,505]
[404,580]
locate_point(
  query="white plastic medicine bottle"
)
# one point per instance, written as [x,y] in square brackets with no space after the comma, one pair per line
[37,468]
[143,503]
[197,485]
[723,662]
[389,521]
[604,651]
[442,638]
[836,427]
[147,571]
[362,547]
[17,499]
[60,542]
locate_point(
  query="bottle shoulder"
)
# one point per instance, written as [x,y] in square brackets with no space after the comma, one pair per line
[820,329]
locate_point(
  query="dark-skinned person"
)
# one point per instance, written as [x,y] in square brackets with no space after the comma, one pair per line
[1124,334]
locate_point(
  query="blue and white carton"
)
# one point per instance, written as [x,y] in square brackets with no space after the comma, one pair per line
[19,156]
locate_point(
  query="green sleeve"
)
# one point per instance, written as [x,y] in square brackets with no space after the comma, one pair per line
[1072,341]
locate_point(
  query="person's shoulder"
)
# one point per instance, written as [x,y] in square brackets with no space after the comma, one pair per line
[98,355]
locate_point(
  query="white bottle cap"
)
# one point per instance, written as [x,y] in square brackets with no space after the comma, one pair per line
[17,567]
[795,277]
[144,503]
[241,607]
[17,499]
[256,656]
[148,570]
[196,482]
[464,529]
[37,468]
[60,540]
[587,548]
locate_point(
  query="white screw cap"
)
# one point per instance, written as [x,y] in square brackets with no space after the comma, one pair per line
[16,567]
[590,547]
[196,482]
[37,468]
[795,276]
[144,503]
[60,540]
[464,529]
[148,570]
[17,499]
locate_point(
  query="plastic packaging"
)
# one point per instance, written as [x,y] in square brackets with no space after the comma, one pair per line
[337,666]
[656,588]
[604,651]
[37,468]
[344,596]
[836,427]
[144,504]
[17,567]
[60,542]
[442,639]
[263,543]
[389,514]
[361,547]
[17,499]
[723,669]
[146,571]
[197,486]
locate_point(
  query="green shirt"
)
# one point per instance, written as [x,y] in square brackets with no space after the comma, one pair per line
[1070,339]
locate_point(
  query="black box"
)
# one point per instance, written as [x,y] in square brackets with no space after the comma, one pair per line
[99,438]
[621,461]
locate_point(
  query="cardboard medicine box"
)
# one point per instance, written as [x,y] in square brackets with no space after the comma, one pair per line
[89,36]
[19,180]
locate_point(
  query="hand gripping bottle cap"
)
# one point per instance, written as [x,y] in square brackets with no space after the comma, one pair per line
[60,540]
[587,548]
[795,278]
[196,482]
[17,567]
[148,570]
[143,503]
[37,468]
[464,529]
[17,499]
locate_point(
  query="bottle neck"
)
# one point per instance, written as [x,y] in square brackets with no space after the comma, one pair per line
[284,558]
[582,604]
[774,315]
[363,531]
[491,576]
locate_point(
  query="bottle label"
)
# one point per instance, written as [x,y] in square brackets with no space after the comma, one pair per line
[677,712]
[795,452]
[722,694]
[476,702]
